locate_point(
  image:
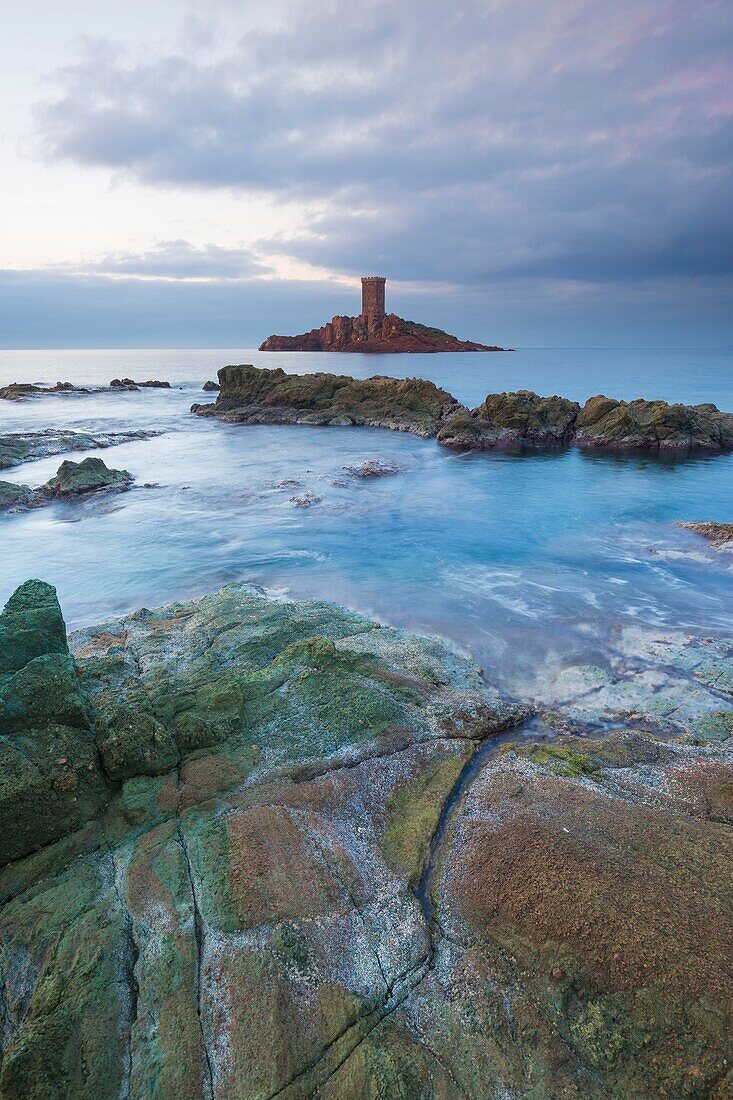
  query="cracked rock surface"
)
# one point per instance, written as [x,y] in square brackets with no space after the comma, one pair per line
[258,849]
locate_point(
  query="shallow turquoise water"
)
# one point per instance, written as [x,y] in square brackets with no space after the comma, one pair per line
[528,562]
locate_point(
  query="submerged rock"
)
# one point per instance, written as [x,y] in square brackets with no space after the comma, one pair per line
[305,500]
[719,534]
[91,475]
[374,467]
[315,873]
[19,447]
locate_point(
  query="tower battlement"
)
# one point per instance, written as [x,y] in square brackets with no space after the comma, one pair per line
[372,297]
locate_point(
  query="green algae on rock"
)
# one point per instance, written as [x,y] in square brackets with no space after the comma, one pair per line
[73,479]
[91,475]
[236,912]
[50,782]
[251,395]
[513,420]
[14,496]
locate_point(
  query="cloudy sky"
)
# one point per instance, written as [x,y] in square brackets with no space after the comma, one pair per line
[528,172]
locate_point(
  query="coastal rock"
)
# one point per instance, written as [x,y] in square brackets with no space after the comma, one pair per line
[19,447]
[91,475]
[210,387]
[253,395]
[73,479]
[18,390]
[604,422]
[50,781]
[250,395]
[327,865]
[719,534]
[513,420]
[14,496]
[131,384]
[305,500]
[373,468]
[373,334]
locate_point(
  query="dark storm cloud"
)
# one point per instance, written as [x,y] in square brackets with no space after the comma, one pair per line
[576,140]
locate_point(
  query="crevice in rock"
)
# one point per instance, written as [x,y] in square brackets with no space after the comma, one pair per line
[130,956]
[199,934]
[381,1012]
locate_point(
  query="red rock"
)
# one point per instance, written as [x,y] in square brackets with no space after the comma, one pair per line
[373,334]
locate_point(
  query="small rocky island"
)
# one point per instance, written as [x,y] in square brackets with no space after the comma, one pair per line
[374,330]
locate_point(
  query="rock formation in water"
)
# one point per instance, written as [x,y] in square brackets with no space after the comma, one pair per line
[19,447]
[719,534]
[374,330]
[250,395]
[131,384]
[72,479]
[364,334]
[257,396]
[259,849]
[18,390]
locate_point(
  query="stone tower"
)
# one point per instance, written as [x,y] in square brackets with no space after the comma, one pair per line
[372,297]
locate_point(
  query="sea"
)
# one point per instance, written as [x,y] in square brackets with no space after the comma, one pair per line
[529,563]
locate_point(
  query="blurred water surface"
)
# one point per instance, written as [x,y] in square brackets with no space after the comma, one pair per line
[528,562]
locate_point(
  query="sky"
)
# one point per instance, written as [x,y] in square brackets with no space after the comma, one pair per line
[523,172]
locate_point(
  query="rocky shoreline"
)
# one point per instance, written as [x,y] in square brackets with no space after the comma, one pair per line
[251,395]
[262,848]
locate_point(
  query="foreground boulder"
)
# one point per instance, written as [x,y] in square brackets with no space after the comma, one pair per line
[250,395]
[50,780]
[329,865]
[257,396]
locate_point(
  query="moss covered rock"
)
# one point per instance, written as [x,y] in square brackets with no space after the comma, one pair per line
[605,422]
[14,496]
[51,781]
[91,475]
[256,396]
[241,910]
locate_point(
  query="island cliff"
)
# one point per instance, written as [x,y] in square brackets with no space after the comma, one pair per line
[373,330]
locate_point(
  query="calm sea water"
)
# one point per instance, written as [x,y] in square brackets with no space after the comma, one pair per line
[528,562]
